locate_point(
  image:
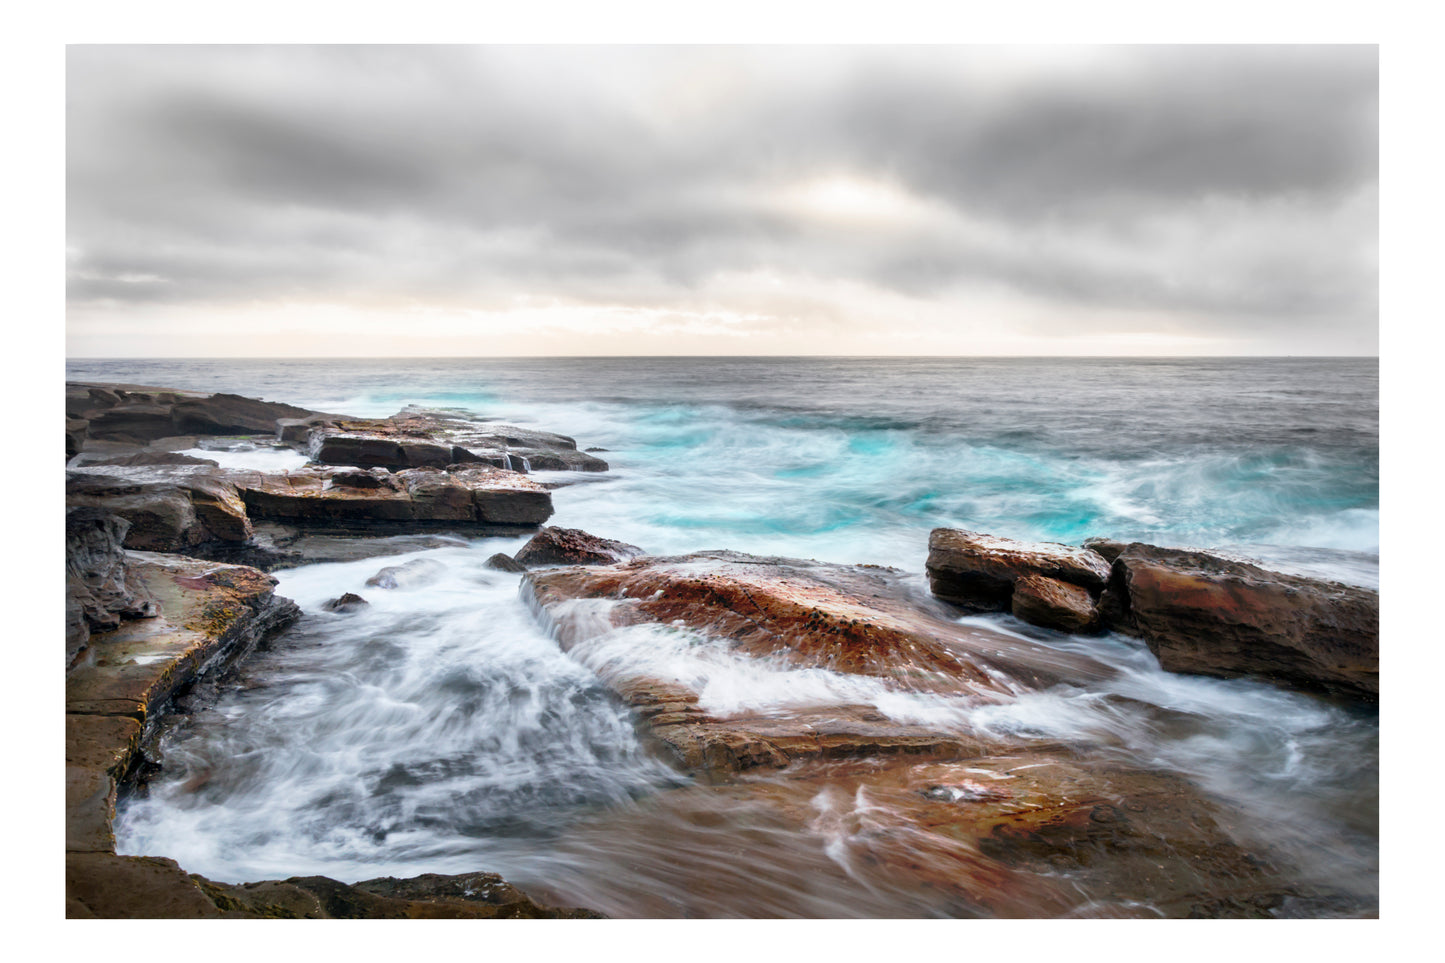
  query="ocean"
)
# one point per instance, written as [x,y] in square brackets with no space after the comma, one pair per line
[444,731]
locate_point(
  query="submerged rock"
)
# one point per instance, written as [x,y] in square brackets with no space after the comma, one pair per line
[1204,614]
[503,562]
[851,620]
[347,602]
[419,571]
[571,546]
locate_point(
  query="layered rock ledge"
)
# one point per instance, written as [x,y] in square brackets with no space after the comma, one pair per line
[418,473]
[1199,612]
[1205,614]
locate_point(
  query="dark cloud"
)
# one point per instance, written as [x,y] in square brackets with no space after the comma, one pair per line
[1236,184]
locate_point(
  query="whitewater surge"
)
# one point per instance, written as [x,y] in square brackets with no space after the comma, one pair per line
[441,728]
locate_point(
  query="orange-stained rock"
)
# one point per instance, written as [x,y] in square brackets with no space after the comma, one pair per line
[979,571]
[571,546]
[1054,604]
[853,620]
[1205,614]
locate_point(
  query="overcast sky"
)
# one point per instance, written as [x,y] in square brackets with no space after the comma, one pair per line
[721,200]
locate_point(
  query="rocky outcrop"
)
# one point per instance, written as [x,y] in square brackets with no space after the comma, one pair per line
[159,512]
[105,886]
[1204,614]
[988,823]
[503,562]
[420,438]
[99,593]
[140,414]
[853,620]
[346,602]
[467,498]
[128,459]
[75,432]
[213,513]
[571,546]
[1054,604]
[978,571]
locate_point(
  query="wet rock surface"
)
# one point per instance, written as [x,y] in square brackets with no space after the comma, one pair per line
[847,619]
[214,513]
[346,602]
[1053,604]
[571,546]
[1204,614]
[421,438]
[989,823]
[1022,833]
[978,571]
[99,592]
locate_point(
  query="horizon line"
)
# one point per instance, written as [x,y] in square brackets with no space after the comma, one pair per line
[697,357]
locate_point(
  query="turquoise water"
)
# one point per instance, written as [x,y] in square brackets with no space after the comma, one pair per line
[443,730]
[854,460]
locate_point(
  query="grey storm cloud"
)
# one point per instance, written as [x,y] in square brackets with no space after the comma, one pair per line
[1237,183]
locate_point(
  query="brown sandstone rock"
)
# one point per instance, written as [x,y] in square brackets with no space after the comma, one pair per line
[504,563]
[571,546]
[1054,604]
[979,571]
[1205,614]
[347,602]
[409,499]
[848,619]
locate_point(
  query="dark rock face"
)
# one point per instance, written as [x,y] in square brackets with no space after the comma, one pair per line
[979,571]
[138,414]
[348,602]
[75,432]
[1204,614]
[418,438]
[160,513]
[1109,548]
[1054,604]
[98,596]
[106,886]
[225,414]
[571,546]
[133,458]
[505,563]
